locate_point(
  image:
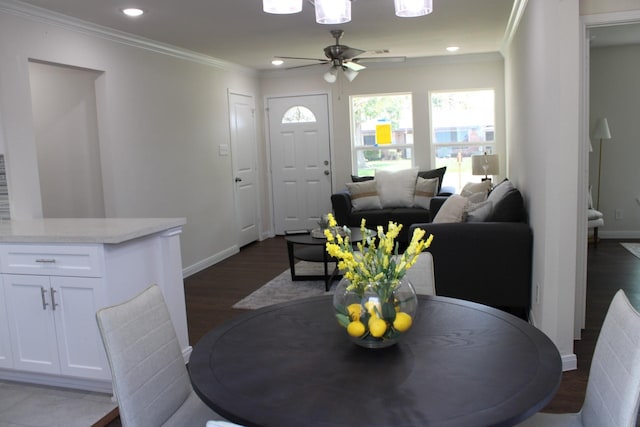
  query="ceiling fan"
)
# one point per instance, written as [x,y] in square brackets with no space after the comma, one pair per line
[345,58]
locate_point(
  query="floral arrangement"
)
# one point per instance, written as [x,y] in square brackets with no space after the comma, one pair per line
[374,270]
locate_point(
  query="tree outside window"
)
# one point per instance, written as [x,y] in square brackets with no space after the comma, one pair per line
[382,133]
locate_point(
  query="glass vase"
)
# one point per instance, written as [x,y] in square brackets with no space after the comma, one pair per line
[378,314]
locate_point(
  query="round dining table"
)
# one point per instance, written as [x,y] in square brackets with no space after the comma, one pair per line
[461,364]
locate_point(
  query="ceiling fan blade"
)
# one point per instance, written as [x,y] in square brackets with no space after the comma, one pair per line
[381,59]
[307,65]
[303,59]
[353,66]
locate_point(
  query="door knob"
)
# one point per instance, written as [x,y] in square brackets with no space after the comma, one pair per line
[326,172]
[238,179]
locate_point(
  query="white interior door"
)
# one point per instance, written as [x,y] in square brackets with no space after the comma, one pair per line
[243,151]
[300,160]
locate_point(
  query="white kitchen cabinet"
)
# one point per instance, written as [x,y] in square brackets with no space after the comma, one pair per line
[52,325]
[6,360]
[56,274]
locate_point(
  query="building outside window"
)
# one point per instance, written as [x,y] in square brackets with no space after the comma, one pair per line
[462,125]
[382,133]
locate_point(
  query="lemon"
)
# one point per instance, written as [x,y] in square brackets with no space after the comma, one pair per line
[403,321]
[355,311]
[371,307]
[355,329]
[377,327]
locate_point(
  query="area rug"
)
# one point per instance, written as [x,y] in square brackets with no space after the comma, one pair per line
[282,289]
[634,248]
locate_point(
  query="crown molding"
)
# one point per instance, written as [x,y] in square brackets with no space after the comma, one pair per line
[512,26]
[48,17]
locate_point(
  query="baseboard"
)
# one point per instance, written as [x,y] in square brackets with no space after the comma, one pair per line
[208,262]
[101,386]
[569,362]
[620,234]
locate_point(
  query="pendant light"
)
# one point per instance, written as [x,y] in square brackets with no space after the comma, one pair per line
[333,11]
[282,6]
[411,8]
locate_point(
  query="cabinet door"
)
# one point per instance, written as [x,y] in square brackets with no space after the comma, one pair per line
[5,339]
[31,323]
[74,304]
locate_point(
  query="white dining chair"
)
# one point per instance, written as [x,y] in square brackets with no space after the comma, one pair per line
[613,388]
[421,275]
[150,380]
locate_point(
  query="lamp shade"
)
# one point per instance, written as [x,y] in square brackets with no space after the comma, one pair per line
[282,6]
[333,11]
[331,76]
[601,131]
[350,74]
[486,164]
[411,8]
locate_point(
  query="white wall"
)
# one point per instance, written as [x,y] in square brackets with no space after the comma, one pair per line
[542,89]
[66,134]
[415,77]
[160,119]
[615,94]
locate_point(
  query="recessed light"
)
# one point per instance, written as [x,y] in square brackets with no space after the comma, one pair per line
[453,48]
[277,62]
[132,11]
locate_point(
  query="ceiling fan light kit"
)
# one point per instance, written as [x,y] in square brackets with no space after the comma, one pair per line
[339,11]
[331,76]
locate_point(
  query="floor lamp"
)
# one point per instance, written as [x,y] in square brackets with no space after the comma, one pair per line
[600,132]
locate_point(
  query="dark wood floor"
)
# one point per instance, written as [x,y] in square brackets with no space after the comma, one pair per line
[211,293]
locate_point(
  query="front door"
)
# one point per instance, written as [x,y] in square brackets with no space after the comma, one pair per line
[244,157]
[300,161]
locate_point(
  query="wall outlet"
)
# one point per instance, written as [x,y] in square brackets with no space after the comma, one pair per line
[619,214]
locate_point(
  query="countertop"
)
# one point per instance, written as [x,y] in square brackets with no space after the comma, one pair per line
[83,230]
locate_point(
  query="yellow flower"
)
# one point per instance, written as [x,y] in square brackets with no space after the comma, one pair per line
[375,258]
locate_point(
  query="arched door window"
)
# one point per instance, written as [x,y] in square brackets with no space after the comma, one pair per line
[298,114]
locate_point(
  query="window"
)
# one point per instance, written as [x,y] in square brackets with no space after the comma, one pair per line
[298,114]
[462,125]
[382,133]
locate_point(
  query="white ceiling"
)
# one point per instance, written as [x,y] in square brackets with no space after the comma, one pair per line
[239,31]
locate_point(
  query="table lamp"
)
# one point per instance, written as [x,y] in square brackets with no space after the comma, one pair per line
[486,164]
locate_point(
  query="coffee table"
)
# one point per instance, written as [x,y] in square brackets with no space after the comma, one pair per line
[462,364]
[308,248]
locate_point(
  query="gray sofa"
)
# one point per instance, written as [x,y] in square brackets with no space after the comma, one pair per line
[488,262]
[345,213]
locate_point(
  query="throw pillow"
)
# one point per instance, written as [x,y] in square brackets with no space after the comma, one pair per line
[452,210]
[476,191]
[479,212]
[434,173]
[396,189]
[508,205]
[364,195]
[425,190]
